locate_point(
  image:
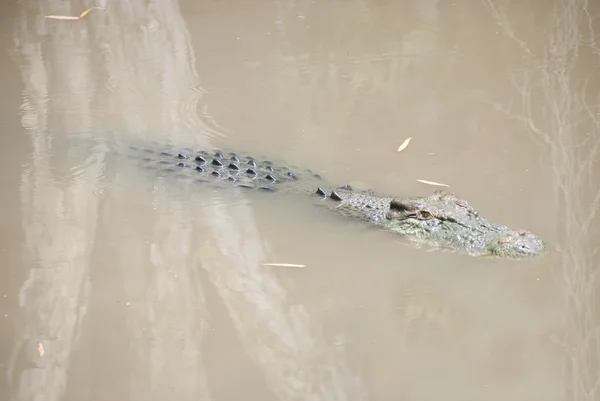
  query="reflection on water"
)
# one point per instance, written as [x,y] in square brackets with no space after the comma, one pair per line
[134,285]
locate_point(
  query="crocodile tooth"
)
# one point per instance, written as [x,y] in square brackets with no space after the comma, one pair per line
[235,158]
[233,166]
[321,191]
[291,175]
[218,155]
[251,163]
[217,162]
[335,196]
[200,159]
[216,173]
[346,187]
[180,164]
[251,171]
[199,169]
[270,177]
[231,179]
[180,156]
[269,168]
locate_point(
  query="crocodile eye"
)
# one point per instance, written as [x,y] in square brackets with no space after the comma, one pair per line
[424,215]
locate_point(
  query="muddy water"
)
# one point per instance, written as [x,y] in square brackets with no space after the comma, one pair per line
[118,283]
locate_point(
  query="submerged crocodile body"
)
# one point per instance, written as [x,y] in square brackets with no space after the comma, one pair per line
[441,219]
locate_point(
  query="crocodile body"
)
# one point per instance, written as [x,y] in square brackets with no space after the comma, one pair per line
[441,219]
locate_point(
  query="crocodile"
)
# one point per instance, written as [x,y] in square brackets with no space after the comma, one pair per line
[441,219]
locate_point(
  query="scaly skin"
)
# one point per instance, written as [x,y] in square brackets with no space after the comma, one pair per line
[441,219]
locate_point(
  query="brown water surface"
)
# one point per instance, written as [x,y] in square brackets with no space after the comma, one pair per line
[121,284]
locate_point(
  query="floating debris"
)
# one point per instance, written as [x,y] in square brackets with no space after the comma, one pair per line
[433,183]
[404,144]
[72,17]
[63,17]
[83,14]
[283,265]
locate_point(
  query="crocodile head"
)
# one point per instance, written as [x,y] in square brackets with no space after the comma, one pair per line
[447,220]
